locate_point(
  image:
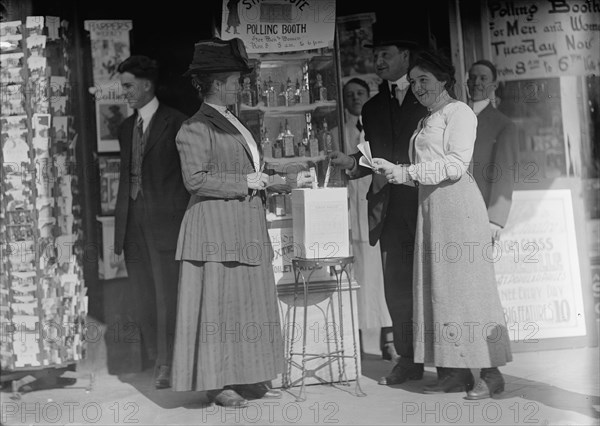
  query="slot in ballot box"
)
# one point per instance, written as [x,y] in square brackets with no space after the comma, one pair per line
[320,223]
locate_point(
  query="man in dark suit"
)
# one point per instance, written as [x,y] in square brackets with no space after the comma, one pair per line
[495,155]
[150,205]
[389,120]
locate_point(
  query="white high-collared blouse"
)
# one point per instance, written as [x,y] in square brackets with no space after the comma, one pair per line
[442,145]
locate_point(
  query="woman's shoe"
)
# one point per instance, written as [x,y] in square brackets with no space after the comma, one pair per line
[491,383]
[257,391]
[228,397]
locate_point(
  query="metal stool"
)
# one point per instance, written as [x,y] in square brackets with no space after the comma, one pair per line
[303,270]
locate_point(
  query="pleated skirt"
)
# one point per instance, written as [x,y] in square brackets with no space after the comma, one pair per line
[457,312]
[228,327]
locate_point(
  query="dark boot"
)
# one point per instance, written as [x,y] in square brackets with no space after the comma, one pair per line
[490,383]
[453,380]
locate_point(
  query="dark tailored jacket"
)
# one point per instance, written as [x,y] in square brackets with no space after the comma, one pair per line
[223,222]
[165,196]
[495,158]
[388,129]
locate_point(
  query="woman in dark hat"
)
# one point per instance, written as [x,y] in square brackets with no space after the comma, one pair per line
[457,312]
[228,335]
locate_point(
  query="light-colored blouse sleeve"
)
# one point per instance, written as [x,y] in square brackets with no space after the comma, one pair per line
[456,152]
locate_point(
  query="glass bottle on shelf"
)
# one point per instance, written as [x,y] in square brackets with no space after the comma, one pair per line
[303,144]
[297,96]
[320,90]
[278,147]
[290,93]
[288,141]
[247,94]
[326,138]
[313,144]
[267,145]
[271,95]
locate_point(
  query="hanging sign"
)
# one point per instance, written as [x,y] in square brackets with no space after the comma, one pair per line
[542,39]
[271,26]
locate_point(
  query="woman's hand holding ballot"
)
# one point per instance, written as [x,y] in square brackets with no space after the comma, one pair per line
[257,180]
[394,173]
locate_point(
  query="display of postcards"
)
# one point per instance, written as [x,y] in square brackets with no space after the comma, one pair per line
[65,205]
[46,227]
[12,60]
[34,25]
[10,28]
[58,106]
[15,150]
[41,124]
[26,350]
[36,45]
[41,147]
[37,66]
[18,217]
[65,223]
[11,75]
[53,25]
[19,232]
[13,125]
[18,196]
[13,99]
[39,90]
[24,308]
[23,284]
[58,86]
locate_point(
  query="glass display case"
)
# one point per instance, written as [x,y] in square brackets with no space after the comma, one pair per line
[290,100]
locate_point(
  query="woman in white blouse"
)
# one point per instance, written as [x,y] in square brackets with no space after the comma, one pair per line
[459,321]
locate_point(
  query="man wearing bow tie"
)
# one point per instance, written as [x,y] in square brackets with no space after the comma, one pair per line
[389,119]
[150,205]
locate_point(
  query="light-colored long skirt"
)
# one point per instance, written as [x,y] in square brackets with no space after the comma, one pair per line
[228,326]
[457,312]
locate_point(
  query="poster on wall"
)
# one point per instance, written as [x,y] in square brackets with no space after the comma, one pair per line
[538,268]
[110,46]
[272,26]
[542,39]
[109,116]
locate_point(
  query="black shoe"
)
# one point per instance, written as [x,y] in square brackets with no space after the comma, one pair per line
[162,378]
[257,391]
[454,380]
[402,373]
[490,384]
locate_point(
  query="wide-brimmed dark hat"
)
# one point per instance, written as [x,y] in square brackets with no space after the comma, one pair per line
[389,35]
[216,55]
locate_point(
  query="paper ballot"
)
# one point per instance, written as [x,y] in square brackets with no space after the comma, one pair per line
[367,159]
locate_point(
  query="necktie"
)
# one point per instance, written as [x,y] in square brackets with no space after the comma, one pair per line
[393,90]
[136,157]
[359,125]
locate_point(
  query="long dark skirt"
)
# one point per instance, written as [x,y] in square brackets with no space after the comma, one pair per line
[228,326]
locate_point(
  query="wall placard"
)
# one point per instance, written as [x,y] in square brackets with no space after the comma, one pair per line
[541,39]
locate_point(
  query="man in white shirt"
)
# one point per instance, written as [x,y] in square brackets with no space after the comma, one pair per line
[151,202]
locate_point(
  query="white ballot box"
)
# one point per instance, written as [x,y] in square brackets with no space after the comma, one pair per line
[320,223]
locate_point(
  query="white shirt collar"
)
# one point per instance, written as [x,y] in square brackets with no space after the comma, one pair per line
[402,83]
[148,110]
[479,106]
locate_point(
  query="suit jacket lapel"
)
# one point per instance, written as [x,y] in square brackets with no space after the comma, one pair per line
[157,126]
[224,124]
[127,139]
